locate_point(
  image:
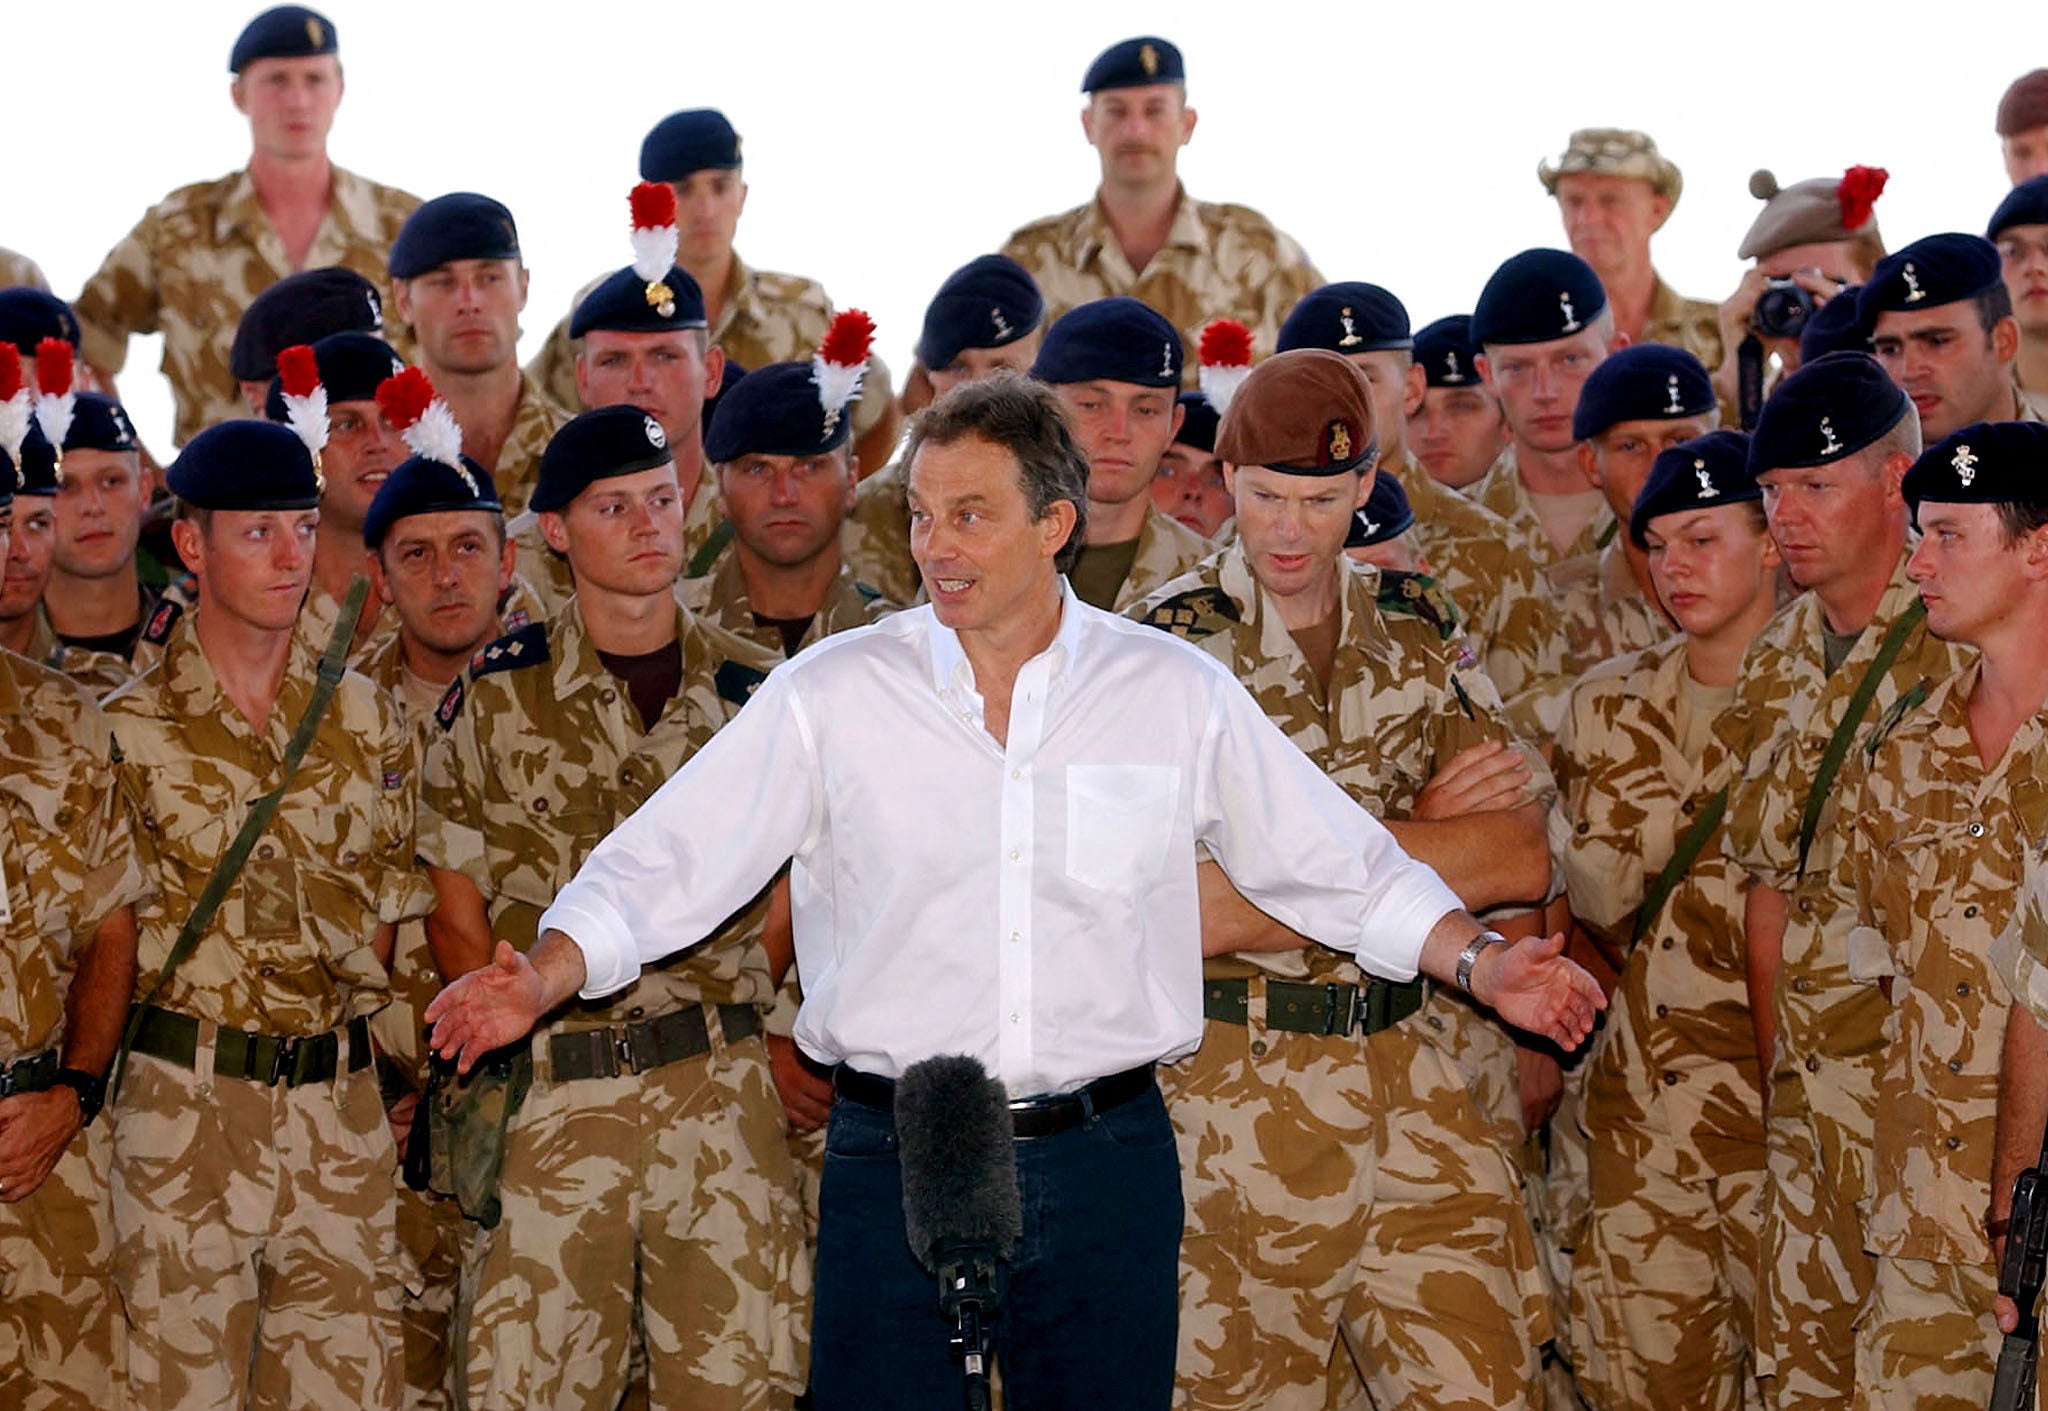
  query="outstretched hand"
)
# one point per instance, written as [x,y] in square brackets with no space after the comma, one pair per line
[486,1009]
[1534,986]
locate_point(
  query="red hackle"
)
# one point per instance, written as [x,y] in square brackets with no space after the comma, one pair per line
[1226,343]
[1858,193]
[654,205]
[404,397]
[10,372]
[53,367]
[298,371]
[849,340]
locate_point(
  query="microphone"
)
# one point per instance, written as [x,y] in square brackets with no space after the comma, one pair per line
[961,1207]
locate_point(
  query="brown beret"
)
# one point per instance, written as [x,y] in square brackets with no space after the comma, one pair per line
[1812,212]
[1613,151]
[2025,104]
[1305,412]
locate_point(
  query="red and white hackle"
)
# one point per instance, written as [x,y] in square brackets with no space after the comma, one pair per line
[1226,353]
[654,242]
[305,397]
[841,361]
[17,404]
[55,398]
[420,416]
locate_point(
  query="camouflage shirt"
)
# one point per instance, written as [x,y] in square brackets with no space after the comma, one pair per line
[720,598]
[1219,261]
[18,270]
[290,950]
[67,854]
[1166,549]
[533,426]
[1691,324]
[1676,1058]
[875,540]
[98,672]
[1602,613]
[1501,490]
[1935,862]
[541,755]
[196,259]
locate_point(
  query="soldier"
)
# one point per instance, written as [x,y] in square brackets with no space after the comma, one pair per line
[754,316]
[1456,431]
[2019,228]
[1490,572]
[1380,528]
[95,599]
[1190,486]
[24,626]
[1143,235]
[1830,449]
[986,316]
[300,308]
[1941,322]
[1946,810]
[67,970]
[1615,190]
[657,1107]
[253,1168]
[460,285]
[2023,126]
[1116,364]
[197,258]
[1337,1172]
[1664,1279]
[27,317]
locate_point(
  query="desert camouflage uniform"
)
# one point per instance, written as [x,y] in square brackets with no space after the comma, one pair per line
[1691,324]
[548,572]
[720,598]
[193,263]
[1348,1179]
[535,423]
[1664,1281]
[1813,1273]
[1501,490]
[17,270]
[1166,549]
[1219,261]
[98,672]
[321,611]
[875,540]
[257,1255]
[1935,861]
[659,1204]
[69,862]
[1602,613]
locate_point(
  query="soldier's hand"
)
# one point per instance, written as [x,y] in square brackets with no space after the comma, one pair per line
[806,1094]
[1540,1079]
[1478,779]
[1534,986]
[34,1130]
[487,1008]
[402,1115]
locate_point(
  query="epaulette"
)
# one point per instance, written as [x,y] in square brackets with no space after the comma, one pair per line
[1418,595]
[736,681]
[1897,711]
[451,704]
[157,630]
[526,647]
[1195,614]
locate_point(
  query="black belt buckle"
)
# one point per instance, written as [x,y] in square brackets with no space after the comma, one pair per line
[1343,1009]
[284,1058]
[632,1048]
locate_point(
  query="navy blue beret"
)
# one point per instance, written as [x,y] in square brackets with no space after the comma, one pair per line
[458,226]
[1384,515]
[246,465]
[1111,340]
[727,380]
[28,316]
[1646,382]
[1346,318]
[1838,326]
[622,304]
[2025,204]
[8,478]
[302,308]
[351,367]
[1932,271]
[1698,474]
[1199,419]
[989,302]
[286,32]
[36,472]
[773,411]
[1538,296]
[690,141]
[419,485]
[1987,463]
[1829,408]
[1446,352]
[598,445]
[1134,63]
[99,423]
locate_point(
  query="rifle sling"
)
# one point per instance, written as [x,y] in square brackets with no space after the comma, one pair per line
[1852,717]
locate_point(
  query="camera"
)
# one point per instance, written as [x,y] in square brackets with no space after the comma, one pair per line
[1782,309]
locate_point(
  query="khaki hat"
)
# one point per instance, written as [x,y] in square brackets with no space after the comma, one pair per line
[1812,212]
[2025,104]
[1614,151]
[1305,412]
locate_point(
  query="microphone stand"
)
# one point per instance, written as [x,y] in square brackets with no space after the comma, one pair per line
[968,1299]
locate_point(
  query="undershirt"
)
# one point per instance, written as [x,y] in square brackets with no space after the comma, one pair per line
[1697,707]
[651,679]
[121,644]
[1102,571]
[791,628]
[1318,642]
[1563,516]
[1836,646]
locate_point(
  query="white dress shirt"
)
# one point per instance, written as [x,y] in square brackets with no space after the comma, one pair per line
[1032,904]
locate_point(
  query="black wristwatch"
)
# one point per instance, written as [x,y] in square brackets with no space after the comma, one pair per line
[92,1092]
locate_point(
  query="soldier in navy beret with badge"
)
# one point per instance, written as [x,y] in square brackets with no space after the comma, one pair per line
[1190,485]
[300,308]
[2019,228]
[1456,432]
[1941,322]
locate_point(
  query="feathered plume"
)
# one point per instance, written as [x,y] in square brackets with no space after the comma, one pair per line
[842,359]
[54,397]
[305,397]
[409,402]
[1858,193]
[654,242]
[15,403]
[1226,353]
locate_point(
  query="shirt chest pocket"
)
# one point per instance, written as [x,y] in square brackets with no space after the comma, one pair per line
[1120,821]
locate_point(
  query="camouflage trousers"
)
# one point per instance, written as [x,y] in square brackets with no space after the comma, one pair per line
[58,1319]
[434,1235]
[256,1239]
[1812,1272]
[1559,1197]
[1925,1338]
[656,1211]
[1345,1182]
[1664,1283]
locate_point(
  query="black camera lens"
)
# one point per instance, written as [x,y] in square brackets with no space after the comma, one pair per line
[1781,310]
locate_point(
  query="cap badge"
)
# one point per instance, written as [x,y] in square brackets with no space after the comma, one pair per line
[1350,338]
[476,491]
[1671,386]
[1571,318]
[661,298]
[1003,329]
[1451,373]
[1148,59]
[1338,438]
[656,437]
[316,32]
[127,433]
[1707,490]
[1965,464]
[1369,526]
[1914,293]
[1829,445]
[376,307]
[1166,360]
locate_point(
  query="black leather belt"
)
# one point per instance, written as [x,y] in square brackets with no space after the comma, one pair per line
[29,1075]
[1029,1117]
[269,1059]
[653,1043]
[1316,1009]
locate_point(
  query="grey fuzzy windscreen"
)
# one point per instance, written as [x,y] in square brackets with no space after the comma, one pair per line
[959,1163]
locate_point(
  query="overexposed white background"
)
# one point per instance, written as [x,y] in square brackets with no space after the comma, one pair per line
[888,143]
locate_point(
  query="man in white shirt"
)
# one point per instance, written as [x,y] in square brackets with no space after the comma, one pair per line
[993,804]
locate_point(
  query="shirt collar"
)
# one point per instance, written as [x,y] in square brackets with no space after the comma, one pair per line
[1094,235]
[953,673]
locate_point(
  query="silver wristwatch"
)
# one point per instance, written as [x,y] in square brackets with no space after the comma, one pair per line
[1469,956]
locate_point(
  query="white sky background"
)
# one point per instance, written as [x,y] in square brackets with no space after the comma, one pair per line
[888,143]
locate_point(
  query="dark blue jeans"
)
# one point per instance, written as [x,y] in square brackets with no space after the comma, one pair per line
[1089,1298]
